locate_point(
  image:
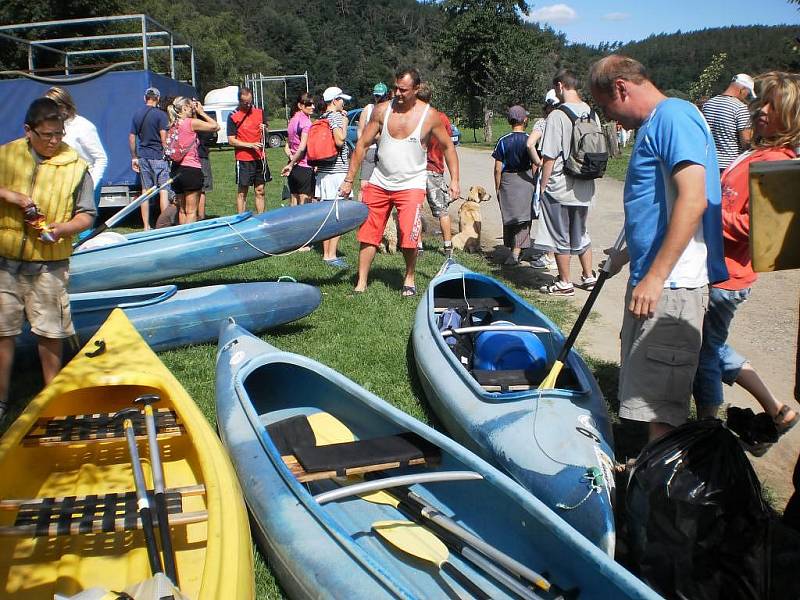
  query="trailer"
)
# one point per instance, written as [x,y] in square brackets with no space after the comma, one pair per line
[107,94]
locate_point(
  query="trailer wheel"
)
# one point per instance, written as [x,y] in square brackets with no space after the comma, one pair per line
[275,140]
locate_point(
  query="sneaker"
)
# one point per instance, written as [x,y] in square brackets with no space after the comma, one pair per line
[511,260]
[447,249]
[558,288]
[337,263]
[587,283]
[544,262]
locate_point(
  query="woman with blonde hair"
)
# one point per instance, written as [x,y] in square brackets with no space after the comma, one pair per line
[187,169]
[81,134]
[776,122]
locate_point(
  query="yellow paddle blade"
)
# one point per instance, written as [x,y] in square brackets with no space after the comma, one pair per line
[329,430]
[413,539]
[380,497]
[549,382]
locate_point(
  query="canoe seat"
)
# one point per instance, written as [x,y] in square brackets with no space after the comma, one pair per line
[98,427]
[309,462]
[499,303]
[103,513]
[517,380]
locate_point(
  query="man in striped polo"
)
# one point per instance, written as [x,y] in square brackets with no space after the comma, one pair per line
[729,119]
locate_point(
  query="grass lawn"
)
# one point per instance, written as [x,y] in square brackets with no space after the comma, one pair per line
[365,337]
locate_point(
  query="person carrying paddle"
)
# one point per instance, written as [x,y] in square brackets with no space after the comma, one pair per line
[406,125]
[46,197]
[673,229]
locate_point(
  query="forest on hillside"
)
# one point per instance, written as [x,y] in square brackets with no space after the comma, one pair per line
[479,55]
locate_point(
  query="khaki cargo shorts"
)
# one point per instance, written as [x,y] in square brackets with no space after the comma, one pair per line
[40,296]
[659,357]
[438,193]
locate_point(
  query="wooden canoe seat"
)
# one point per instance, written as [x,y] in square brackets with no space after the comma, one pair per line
[104,513]
[309,462]
[500,303]
[519,380]
[98,427]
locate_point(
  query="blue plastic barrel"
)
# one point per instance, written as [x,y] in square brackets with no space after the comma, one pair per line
[509,350]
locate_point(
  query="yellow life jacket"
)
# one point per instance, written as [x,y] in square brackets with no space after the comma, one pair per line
[51,185]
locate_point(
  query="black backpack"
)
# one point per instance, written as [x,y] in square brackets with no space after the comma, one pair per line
[588,156]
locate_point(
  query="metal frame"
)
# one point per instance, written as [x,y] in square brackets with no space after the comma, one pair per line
[256,81]
[147,30]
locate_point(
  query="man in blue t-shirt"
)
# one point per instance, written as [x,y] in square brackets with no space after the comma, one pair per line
[149,125]
[673,229]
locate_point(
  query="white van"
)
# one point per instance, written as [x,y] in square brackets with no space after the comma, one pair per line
[220,103]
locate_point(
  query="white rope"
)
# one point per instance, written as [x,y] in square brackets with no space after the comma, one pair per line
[335,207]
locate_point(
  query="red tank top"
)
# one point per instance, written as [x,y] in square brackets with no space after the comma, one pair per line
[248,129]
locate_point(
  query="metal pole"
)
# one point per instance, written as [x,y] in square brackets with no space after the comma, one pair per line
[172,56]
[66,64]
[30,58]
[144,43]
[286,100]
[193,82]
[306,76]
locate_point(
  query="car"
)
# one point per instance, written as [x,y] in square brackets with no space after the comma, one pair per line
[352,128]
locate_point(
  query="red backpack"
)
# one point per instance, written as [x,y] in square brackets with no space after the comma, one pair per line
[321,148]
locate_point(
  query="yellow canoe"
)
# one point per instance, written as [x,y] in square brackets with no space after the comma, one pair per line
[61,533]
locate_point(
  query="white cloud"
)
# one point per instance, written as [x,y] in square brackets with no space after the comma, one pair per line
[558,14]
[617,16]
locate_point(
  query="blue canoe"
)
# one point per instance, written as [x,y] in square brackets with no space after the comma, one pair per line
[156,255]
[483,386]
[168,318]
[322,549]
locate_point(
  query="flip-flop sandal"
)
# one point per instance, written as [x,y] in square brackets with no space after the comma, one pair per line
[408,291]
[784,429]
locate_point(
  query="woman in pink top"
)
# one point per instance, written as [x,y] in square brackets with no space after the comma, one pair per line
[776,120]
[300,174]
[182,113]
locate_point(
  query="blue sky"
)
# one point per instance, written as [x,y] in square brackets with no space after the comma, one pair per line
[592,21]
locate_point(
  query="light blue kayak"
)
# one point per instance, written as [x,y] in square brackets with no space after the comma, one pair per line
[318,534]
[150,256]
[557,443]
[169,318]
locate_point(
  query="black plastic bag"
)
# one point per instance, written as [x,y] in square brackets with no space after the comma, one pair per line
[699,527]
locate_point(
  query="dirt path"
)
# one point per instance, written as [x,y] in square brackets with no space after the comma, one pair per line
[764,331]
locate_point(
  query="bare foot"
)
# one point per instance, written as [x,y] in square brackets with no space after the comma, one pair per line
[786,418]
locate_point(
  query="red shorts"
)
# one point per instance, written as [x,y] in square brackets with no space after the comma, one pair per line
[379,202]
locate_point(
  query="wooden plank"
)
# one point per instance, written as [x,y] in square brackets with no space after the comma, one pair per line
[97,525]
[15,503]
[297,469]
[35,440]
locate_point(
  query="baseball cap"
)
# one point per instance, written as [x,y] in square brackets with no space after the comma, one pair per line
[334,92]
[380,89]
[744,80]
[517,113]
[551,98]
[152,92]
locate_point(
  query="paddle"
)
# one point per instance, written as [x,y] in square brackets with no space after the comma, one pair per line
[158,486]
[549,382]
[328,428]
[142,501]
[422,544]
[135,203]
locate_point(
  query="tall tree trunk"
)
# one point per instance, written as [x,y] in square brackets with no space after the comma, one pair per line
[488,135]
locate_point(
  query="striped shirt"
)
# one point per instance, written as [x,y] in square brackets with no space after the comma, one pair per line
[342,164]
[726,116]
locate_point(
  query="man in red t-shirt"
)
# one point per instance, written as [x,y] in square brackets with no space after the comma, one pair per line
[246,129]
[436,189]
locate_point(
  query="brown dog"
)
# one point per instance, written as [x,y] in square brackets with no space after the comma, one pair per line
[390,233]
[469,215]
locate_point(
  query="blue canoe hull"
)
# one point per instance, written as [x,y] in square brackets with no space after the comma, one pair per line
[160,254]
[547,440]
[169,318]
[329,551]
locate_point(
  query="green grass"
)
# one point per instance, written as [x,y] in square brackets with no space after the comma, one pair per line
[366,337]
[618,166]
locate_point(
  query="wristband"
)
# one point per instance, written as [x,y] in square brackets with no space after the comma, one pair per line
[348,181]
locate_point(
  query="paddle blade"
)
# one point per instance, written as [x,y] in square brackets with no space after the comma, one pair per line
[549,382]
[380,497]
[413,539]
[329,430]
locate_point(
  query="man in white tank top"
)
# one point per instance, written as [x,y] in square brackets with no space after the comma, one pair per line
[405,125]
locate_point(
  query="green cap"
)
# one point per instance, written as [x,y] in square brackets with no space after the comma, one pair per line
[380,89]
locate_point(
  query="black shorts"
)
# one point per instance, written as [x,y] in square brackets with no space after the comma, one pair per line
[301,180]
[189,179]
[252,172]
[208,178]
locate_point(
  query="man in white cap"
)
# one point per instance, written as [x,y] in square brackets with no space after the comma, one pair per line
[729,119]
[330,176]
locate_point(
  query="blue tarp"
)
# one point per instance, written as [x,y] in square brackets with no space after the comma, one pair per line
[108,101]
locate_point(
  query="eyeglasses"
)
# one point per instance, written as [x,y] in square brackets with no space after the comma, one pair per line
[308,104]
[54,135]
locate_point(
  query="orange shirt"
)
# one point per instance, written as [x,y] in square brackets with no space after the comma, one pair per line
[435,153]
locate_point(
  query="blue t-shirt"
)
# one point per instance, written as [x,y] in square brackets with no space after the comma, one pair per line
[512,151]
[147,123]
[674,133]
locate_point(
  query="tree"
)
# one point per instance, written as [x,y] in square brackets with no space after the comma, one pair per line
[705,82]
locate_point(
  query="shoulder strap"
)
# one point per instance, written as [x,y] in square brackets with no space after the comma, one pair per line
[418,129]
[567,111]
[141,123]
